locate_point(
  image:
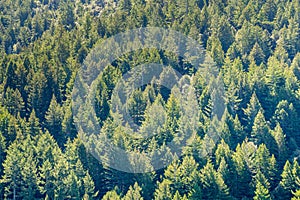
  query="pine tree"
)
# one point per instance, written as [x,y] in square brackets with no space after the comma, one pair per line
[261,132]
[134,193]
[101,102]
[68,125]
[213,185]
[163,192]
[71,186]
[173,115]
[29,189]
[11,178]
[215,49]
[62,179]
[136,107]
[11,76]
[225,33]
[251,111]
[288,180]
[274,80]
[182,177]
[2,157]
[47,182]
[286,115]
[266,164]
[282,148]
[224,163]
[111,195]
[296,65]
[33,125]
[223,152]
[37,93]
[257,55]
[267,12]
[243,159]
[54,121]
[14,102]
[153,126]
[261,192]
[89,187]
[68,18]
[20,170]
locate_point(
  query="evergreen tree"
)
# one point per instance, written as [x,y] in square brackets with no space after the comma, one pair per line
[68,18]
[111,195]
[177,196]
[288,181]
[2,157]
[173,114]
[89,187]
[282,148]
[251,111]
[54,121]
[153,126]
[180,177]
[37,97]
[261,192]
[20,171]
[266,164]
[47,182]
[163,192]
[213,183]
[14,102]
[137,106]
[287,117]
[261,132]
[257,55]
[215,48]
[133,193]
[33,125]
[243,159]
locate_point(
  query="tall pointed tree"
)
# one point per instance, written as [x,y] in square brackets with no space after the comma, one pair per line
[134,193]
[251,111]
[54,121]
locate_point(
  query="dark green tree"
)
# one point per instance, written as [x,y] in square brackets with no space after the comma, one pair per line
[54,122]
[212,183]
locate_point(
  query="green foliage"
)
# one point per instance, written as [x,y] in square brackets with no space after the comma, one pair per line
[111,195]
[133,193]
[255,45]
[54,121]
[212,183]
[290,176]
[261,192]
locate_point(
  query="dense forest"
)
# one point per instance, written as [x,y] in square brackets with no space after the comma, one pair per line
[255,45]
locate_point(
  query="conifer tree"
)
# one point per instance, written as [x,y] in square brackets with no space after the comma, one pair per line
[288,179]
[33,125]
[261,132]
[89,187]
[212,183]
[251,111]
[14,102]
[111,195]
[243,159]
[261,192]
[137,106]
[282,148]
[134,193]
[257,55]
[54,121]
